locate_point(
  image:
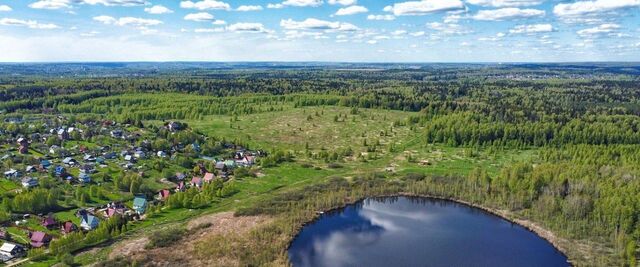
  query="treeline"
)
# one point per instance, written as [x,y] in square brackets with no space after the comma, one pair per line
[468,129]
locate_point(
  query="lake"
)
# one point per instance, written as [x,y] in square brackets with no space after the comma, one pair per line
[411,231]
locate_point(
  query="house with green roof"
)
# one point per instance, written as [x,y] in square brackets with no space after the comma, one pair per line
[140,204]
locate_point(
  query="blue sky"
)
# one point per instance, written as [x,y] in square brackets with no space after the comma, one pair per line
[320,30]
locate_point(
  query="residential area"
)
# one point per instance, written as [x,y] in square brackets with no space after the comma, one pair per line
[96,178]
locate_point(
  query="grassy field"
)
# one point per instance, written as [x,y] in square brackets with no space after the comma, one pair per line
[378,139]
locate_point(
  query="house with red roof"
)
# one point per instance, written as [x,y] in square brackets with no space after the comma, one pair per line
[39,239]
[164,194]
[196,181]
[68,227]
[49,222]
[208,177]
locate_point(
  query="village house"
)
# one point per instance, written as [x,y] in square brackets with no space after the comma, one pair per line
[88,222]
[9,251]
[39,239]
[196,181]
[59,171]
[88,168]
[164,194]
[30,169]
[180,176]
[68,227]
[45,164]
[29,182]
[174,126]
[208,177]
[140,204]
[23,145]
[12,174]
[84,178]
[49,222]
[181,187]
[69,161]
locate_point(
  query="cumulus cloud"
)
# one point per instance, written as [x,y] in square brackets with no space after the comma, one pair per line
[60,4]
[507,14]
[316,24]
[127,21]
[275,6]
[505,3]
[302,3]
[249,8]
[534,28]
[448,28]
[381,17]
[5,8]
[342,2]
[205,5]
[424,7]
[158,9]
[51,4]
[247,27]
[607,28]
[351,10]
[32,24]
[200,16]
[592,7]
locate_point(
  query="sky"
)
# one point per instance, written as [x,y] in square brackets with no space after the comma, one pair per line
[320,30]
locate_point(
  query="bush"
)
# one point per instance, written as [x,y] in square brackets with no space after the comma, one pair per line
[334,166]
[414,177]
[165,238]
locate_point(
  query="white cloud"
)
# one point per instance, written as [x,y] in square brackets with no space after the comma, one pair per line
[381,17]
[592,7]
[32,24]
[316,24]
[247,27]
[205,5]
[275,6]
[303,3]
[60,4]
[249,8]
[507,14]
[417,34]
[342,2]
[219,22]
[5,8]
[454,18]
[596,31]
[51,4]
[534,28]
[158,9]
[127,21]
[200,16]
[399,32]
[505,3]
[448,28]
[424,7]
[351,10]
[115,2]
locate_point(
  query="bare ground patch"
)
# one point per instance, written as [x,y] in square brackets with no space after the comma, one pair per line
[183,253]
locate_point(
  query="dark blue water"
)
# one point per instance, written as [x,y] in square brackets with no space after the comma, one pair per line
[403,231]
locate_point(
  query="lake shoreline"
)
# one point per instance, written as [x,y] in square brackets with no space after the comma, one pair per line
[530,226]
